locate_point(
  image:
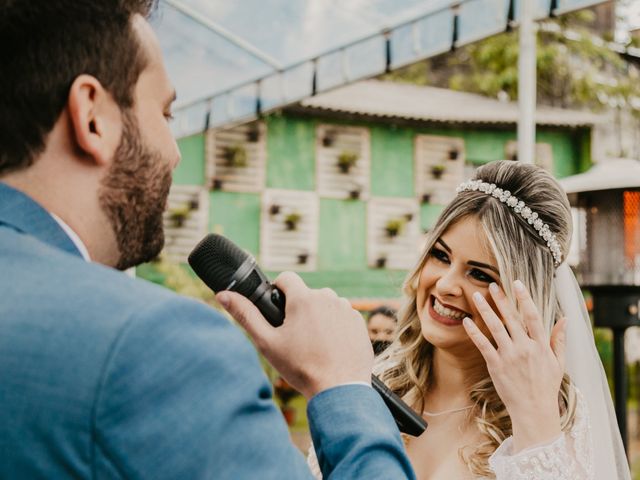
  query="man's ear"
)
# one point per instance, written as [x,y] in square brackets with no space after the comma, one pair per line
[96,119]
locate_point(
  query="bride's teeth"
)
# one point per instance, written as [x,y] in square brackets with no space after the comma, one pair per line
[442,310]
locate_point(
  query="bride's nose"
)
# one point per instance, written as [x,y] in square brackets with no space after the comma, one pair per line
[450,283]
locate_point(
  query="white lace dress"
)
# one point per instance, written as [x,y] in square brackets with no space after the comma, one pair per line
[568,457]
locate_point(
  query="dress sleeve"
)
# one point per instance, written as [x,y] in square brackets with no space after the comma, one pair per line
[568,457]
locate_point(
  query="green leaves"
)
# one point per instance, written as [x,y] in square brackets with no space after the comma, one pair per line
[575,68]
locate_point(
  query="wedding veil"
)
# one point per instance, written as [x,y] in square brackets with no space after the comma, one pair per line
[585,369]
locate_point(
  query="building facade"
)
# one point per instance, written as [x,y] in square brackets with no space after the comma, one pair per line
[342,187]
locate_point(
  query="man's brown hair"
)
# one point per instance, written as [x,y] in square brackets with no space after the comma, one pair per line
[44,46]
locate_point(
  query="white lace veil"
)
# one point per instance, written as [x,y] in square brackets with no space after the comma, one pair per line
[585,369]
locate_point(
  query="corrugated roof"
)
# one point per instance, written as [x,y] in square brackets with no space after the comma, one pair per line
[609,175]
[399,100]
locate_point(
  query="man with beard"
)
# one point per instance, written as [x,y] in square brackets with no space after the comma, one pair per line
[104,376]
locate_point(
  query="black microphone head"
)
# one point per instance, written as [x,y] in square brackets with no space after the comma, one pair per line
[216,259]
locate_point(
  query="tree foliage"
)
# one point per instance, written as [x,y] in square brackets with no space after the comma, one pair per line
[575,68]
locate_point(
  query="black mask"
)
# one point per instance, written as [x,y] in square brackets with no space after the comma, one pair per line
[379,346]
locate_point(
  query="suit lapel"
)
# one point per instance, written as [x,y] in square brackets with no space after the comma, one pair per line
[21,213]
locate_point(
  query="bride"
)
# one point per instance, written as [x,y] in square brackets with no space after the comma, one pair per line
[494,345]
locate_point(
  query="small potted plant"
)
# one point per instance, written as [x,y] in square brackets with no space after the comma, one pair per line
[194,204]
[355,192]
[253,134]
[346,161]
[454,153]
[302,258]
[437,171]
[291,220]
[216,183]
[274,209]
[235,156]
[179,215]
[328,139]
[408,217]
[426,197]
[381,261]
[394,227]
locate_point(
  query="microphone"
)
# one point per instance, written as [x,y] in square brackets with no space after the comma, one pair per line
[407,420]
[222,265]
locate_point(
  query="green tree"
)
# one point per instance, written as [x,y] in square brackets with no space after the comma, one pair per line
[575,68]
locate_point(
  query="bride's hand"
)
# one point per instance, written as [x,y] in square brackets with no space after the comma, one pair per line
[526,368]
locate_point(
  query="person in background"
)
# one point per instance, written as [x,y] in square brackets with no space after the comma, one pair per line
[381,325]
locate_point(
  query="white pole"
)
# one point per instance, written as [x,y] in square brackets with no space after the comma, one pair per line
[527,84]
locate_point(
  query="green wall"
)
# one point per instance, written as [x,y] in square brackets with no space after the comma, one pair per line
[236,216]
[342,243]
[363,283]
[342,256]
[190,170]
[428,215]
[565,156]
[290,153]
[481,146]
[391,162]
[571,147]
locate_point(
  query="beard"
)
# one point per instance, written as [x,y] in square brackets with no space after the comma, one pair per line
[133,195]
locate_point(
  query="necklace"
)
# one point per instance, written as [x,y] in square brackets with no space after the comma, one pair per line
[444,412]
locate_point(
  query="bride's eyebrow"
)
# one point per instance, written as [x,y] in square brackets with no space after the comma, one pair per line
[444,245]
[473,263]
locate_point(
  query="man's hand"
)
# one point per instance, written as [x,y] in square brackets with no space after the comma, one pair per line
[322,343]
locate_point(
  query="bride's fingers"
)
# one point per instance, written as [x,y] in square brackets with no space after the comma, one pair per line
[509,312]
[558,340]
[487,350]
[529,312]
[492,321]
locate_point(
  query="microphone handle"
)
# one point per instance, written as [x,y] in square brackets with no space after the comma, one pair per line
[267,298]
[271,303]
[406,418]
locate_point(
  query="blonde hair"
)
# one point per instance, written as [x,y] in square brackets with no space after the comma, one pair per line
[520,254]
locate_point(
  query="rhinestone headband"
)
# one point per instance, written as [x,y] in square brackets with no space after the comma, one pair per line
[521,209]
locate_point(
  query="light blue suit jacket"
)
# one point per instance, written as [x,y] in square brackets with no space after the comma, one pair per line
[107,377]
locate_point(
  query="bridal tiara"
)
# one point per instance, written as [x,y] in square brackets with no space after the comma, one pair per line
[521,209]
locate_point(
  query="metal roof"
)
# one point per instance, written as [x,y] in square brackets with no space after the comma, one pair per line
[400,100]
[231,61]
[609,175]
